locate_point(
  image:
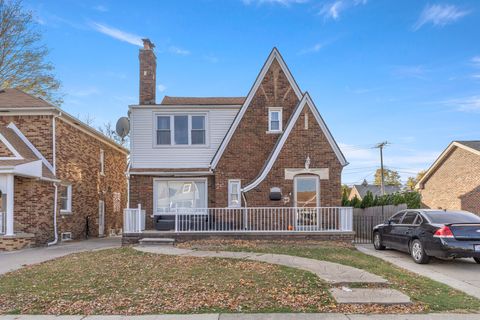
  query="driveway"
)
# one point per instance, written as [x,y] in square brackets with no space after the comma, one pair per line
[17,259]
[461,274]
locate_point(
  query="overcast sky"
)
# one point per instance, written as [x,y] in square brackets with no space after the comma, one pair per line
[407,72]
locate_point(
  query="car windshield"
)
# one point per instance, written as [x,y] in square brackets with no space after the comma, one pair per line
[445,217]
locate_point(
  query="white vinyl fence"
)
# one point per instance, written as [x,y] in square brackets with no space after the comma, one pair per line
[257,219]
[133,220]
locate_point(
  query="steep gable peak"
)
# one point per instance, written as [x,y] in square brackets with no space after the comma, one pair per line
[274,56]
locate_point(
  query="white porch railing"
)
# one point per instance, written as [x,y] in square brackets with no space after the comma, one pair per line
[256,219]
[133,220]
[3,222]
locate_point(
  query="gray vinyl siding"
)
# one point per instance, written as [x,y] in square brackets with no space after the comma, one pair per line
[145,154]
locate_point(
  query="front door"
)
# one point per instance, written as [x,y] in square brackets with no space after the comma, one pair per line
[307,199]
[101,218]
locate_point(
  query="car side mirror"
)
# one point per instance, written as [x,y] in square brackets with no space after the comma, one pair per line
[388,221]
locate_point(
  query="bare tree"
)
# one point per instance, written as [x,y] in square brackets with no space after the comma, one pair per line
[109,130]
[23,63]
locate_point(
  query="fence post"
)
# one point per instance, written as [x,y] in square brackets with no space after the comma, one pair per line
[176,221]
[139,218]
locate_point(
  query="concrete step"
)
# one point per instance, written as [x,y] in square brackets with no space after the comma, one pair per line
[383,296]
[157,241]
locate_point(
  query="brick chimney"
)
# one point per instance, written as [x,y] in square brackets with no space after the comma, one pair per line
[148,70]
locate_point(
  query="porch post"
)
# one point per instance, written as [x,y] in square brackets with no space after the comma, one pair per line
[10,199]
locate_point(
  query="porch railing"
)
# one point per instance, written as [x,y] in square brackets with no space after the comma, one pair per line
[133,220]
[256,219]
[3,222]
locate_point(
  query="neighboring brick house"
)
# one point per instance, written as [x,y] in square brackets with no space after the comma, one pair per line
[232,152]
[453,181]
[46,154]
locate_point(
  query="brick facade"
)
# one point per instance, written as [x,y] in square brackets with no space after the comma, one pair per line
[455,184]
[251,146]
[77,164]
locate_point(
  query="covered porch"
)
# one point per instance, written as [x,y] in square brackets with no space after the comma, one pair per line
[326,223]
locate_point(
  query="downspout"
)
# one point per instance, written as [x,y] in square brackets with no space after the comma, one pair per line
[54,158]
[54,217]
[245,210]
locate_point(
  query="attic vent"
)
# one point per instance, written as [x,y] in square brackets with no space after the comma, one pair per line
[66,236]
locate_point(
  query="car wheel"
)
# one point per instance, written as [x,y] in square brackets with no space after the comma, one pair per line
[377,241]
[477,260]
[418,252]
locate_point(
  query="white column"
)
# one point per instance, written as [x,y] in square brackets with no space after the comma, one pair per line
[10,199]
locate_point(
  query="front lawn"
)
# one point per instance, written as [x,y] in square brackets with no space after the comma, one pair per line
[431,295]
[125,281]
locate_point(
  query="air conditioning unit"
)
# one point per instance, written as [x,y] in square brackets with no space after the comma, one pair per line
[66,236]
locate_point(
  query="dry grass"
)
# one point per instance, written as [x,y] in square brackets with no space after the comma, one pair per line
[427,294]
[124,281]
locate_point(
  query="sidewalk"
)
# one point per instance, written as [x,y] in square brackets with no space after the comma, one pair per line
[262,316]
[14,260]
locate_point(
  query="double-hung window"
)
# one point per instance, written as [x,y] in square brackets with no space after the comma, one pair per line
[181,129]
[102,162]
[234,193]
[66,199]
[163,130]
[274,119]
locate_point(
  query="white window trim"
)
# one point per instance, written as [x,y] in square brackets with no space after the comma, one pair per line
[155,212]
[102,162]
[239,193]
[280,119]
[69,201]
[172,130]
[306,177]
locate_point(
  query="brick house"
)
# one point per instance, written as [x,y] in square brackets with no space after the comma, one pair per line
[268,149]
[453,181]
[58,176]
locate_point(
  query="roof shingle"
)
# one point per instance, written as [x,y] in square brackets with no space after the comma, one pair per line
[167,100]
[15,98]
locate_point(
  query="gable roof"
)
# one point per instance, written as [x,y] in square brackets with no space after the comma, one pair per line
[472,146]
[306,100]
[375,189]
[15,98]
[168,100]
[274,55]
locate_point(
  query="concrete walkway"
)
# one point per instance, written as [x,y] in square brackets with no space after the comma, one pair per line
[333,273]
[461,274]
[10,261]
[260,316]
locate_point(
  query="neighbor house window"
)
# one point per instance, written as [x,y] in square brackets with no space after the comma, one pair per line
[66,199]
[171,195]
[181,130]
[275,119]
[102,162]
[234,193]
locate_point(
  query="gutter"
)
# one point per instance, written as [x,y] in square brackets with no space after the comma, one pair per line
[54,217]
[54,147]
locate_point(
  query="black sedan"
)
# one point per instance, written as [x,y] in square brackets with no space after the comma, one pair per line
[431,233]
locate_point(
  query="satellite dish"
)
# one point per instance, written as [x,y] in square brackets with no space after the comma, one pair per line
[123,127]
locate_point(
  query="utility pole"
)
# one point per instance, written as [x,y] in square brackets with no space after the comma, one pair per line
[380,146]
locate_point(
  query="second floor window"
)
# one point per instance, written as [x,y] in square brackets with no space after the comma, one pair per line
[275,119]
[181,130]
